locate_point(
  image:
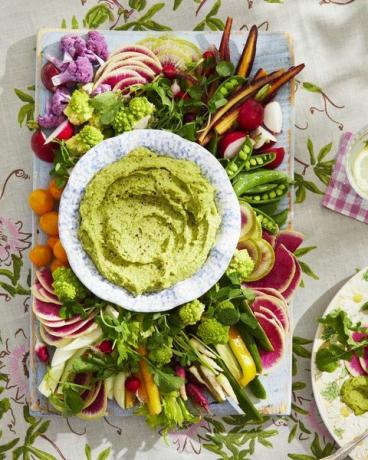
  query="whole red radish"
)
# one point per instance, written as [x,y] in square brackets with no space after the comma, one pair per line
[132,384]
[209,54]
[170,71]
[231,143]
[105,346]
[45,152]
[280,153]
[250,115]
[47,72]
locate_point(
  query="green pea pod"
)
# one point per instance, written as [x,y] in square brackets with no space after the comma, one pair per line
[247,181]
[281,217]
[274,195]
[238,163]
[257,388]
[269,208]
[262,188]
[259,161]
[267,222]
[228,86]
[213,144]
[251,345]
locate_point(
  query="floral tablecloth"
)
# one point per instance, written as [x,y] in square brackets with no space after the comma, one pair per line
[331,38]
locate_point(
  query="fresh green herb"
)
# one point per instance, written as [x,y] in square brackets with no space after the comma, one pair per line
[107,105]
[364,307]
[225,68]
[64,161]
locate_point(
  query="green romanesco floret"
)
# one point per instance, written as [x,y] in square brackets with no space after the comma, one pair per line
[161,356]
[240,267]
[191,312]
[129,116]
[87,138]
[212,331]
[67,286]
[79,109]
[226,313]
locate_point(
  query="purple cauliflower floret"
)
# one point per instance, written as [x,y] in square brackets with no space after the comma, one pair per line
[73,44]
[59,100]
[50,120]
[58,63]
[78,71]
[96,43]
[103,88]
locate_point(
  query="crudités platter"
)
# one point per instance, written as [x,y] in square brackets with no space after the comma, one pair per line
[340,419]
[89,373]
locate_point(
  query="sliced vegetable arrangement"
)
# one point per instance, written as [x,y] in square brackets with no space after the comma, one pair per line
[170,367]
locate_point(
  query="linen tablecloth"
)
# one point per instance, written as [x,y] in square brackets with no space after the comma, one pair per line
[331,38]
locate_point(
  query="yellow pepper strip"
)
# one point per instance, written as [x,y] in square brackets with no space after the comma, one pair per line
[153,403]
[243,356]
[129,399]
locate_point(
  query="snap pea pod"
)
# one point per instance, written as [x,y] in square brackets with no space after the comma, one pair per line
[237,164]
[253,327]
[267,222]
[251,345]
[257,388]
[213,144]
[262,188]
[228,86]
[260,160]
[246,181]
[274,195]
[281,217]
[269,208]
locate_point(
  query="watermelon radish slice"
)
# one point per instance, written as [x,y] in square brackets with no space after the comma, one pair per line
[269,237]
[354,366]
[133,64]
[364,360]
[46,311]
[290,239]
[291,289]
[69,329]
[113,77]
[135,49]
[126,82]
[51,340]
[115,62]
[45,278]
[248,220]
[40,293]
[252,248]
[275,306]
[265,263]
[256,232]
[98,407]
[90,395]
[62,322]
[277,338]
[282,271]
[272,292]
[271,315]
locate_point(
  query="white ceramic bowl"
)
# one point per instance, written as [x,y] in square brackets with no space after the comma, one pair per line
[356,144]
[174,146]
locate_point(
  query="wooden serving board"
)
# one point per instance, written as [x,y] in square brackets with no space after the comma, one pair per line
[274,51]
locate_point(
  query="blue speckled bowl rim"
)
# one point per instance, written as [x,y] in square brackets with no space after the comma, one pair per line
[171,145]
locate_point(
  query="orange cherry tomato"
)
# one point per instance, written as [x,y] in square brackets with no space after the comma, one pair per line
[54,190]
[41,201]
[40,255]
[49,223]
[59,252]
[56,263]
[51,241]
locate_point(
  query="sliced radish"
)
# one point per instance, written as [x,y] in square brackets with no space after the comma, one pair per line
[131,81]
[63,132]
[273,117]
[231,143]
[262,137]
[113,77]
[280,154]
[135,49]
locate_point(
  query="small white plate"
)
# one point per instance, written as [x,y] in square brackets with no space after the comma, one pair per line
[164,143]
[339,419]
[355,146]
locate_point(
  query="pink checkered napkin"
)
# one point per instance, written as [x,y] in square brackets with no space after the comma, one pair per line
[340,196]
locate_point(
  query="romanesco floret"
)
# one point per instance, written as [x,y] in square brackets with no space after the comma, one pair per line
[240,267]
[129,116]
[213,332]
[79,110]
[191,312]
[161,356]
[226,313]
[87,138]
[67,286]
